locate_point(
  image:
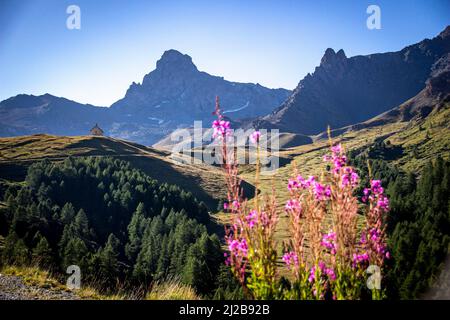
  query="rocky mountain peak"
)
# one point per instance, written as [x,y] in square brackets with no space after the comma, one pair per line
[173,60]
[331,57]
[345,90]
[445,33]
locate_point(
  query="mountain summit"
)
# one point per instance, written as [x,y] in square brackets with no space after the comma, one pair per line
[344,91]
[176,94]
[174,61]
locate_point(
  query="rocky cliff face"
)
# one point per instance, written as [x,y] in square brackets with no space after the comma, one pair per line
[432,99]
[177,92]
[342,90]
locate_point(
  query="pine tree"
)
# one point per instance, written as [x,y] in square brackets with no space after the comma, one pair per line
[81,224]
[67,213]
[75,253]
[135,233]
[42,253]
[21,253]
[109,258]
[195,271]
[8,254]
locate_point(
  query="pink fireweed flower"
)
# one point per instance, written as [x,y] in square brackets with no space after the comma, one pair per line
[290,259]
[374,234]
[360,259]
[301,181]
[225,206]
[292,185]
[366,193]
[376,187]
[324,272]
[328,241]
[238,247]
[254,137]
[321,192]
[350,177]
[330,273]
[383,203]
[336,149]
[292,205]
[310,181]
[243,247]
[252,218]
[236,204]
[233,245]
[221,128]
[337,158]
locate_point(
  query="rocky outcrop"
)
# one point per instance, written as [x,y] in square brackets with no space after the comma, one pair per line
[343,91]
[14,288]
[176,94]
[434,97]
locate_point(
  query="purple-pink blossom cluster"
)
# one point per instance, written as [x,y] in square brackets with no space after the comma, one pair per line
[339,160]
[349,177]
[360,259]
[320,191]
[324,272]
[221,128]
[377,243]
[290,259]
[255,136]
[238,247]
[234,205]
[252,218]
[329,242]
[292,204]
[300,183]
[376,194]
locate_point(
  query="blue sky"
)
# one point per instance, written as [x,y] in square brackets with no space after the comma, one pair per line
[274,43]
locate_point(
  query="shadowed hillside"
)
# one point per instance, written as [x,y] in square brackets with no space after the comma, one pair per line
[17,153]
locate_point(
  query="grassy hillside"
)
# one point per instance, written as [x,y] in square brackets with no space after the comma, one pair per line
[17,153]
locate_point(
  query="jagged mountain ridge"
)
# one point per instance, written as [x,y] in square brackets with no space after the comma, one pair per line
[176,85]
[28,114]
[344,91]
[431,99]
[173,95]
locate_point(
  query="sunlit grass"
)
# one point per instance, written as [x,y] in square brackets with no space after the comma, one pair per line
[171,290]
